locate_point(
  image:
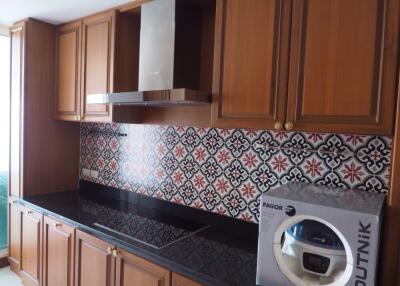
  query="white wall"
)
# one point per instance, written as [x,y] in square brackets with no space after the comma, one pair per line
[52,11]
[3,30]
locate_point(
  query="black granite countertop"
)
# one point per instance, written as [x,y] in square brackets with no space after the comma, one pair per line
[208,248]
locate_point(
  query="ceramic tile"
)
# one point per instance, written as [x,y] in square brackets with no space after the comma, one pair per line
[226,170]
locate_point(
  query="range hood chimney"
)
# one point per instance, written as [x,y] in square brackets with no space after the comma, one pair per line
[169,57]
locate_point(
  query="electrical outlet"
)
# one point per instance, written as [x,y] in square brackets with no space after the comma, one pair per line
[95,174]
[86,172]
[90,173]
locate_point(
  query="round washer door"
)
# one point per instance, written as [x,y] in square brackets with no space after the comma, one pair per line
[283,263]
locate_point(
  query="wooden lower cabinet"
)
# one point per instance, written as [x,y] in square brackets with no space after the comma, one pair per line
[58,253]
[94,262]
[14,235]
[97,263]
[75,258]
[178,280]
[132,270]
[31,245]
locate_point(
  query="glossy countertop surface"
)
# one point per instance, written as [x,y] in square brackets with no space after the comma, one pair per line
[208,248]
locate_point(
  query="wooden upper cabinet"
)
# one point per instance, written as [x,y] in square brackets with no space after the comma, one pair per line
[178,280]
[68,64]
[248,53]
[32,101]
[343,69]
[133,270]
[94,263]
[31,247]
[97,63]
[58,253]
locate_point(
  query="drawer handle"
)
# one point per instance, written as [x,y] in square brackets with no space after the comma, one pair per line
[29,212]
[58,225]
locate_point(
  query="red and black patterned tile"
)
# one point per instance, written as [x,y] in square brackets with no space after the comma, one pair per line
[226,170]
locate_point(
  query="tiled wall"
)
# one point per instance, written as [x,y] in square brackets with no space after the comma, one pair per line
[226,170]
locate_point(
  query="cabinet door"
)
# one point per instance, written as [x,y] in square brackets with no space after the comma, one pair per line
[31,243]
[344,65]
[249,89]
[68,63]
[94,264]
[132,270]
[97,54]
[14,235]
[16,105]
[58,253]
[178,280]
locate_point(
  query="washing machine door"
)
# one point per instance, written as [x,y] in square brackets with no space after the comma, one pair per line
[311,251]
[315,233]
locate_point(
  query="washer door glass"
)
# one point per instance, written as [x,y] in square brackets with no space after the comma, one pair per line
[312,252]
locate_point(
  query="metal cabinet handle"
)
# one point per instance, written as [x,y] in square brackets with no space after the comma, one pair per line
[278,125]
[58,225]
[29,212]
[289,126]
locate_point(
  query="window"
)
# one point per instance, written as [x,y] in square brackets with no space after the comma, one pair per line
[4,138]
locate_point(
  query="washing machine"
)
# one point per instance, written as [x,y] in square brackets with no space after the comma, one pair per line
[314,235]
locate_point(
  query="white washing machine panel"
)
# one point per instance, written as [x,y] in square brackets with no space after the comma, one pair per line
[354,216]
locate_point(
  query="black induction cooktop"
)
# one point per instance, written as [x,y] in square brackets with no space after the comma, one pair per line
[145,225]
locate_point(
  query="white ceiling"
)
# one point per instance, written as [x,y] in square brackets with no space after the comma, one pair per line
[52,11]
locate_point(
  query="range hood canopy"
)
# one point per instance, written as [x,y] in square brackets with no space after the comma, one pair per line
[169,57]
[168,97]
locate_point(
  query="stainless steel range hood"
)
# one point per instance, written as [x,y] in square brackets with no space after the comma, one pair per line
[178,96]
[169,57]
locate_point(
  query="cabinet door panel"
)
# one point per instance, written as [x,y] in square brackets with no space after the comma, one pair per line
[343,70]
[58,252]
[98,46]
[248,37]
[14,241]
[133,270]
[94,265]
[31,247]
[68,47]
[178,280]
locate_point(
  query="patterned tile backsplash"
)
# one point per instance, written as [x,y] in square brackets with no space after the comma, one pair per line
[226,170]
